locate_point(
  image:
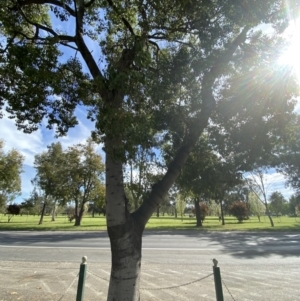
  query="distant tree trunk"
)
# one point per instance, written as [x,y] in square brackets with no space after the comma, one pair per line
[222,214]
[269,215]
[197,212]
[175,211]
[258,217]
[93,210]
[157,211]
[53,212]
[42,213]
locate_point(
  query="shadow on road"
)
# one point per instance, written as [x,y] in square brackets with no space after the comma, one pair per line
[237,244]
[245,244]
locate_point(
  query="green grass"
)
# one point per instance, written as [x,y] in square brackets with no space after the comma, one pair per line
[162,223]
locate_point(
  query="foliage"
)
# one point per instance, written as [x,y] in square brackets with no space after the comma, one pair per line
[12,209]
[256,206]
[154,72]
[258,185]
[83,170]
[289,155]
[214,208]
[277,202]
[49,172]
[294,202]
[239,210]
[203,211]
[71,175]
[180,204]
[10,170]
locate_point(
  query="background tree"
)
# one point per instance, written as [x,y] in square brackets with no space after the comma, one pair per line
[214,208]
[277,203]
[203,211]
[34,203]
[255,205]
[257,184]
[239,210]
[12,210]
[97,199]
[49,178]
[294,202]
[10,169]
[139,177]
[289,155]
[180,205]
[83,170]
[151,75]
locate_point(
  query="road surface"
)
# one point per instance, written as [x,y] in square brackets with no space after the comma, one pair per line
[254,266]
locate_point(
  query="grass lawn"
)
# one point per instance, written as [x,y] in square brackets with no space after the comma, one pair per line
[155,223]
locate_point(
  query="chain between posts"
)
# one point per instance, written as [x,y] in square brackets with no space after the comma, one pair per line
[68,288]
[95,275]
[227,289]
[176,286]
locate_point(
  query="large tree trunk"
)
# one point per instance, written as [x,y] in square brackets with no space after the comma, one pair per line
[198,213]
[126,248]
[125,236]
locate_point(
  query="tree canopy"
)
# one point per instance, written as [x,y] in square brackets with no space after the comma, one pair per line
[74,175]
[11,163]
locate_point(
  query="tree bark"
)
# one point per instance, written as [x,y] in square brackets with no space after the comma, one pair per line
[125,235]
[270,217]
[42,213]
[79,215]
[222,214]
[198,213]
[126,248]
[93,210]
[53,212]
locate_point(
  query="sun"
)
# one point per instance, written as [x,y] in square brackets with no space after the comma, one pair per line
[291,57]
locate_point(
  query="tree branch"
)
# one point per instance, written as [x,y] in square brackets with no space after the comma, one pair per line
[53,2]
[47,29]
[126,23]
[79,15]
[161,188]
[90,3]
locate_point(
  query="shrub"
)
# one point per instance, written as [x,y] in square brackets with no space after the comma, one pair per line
[239,210]
[203,211]
[12,210]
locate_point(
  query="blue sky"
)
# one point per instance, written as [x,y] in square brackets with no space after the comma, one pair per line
[31,144]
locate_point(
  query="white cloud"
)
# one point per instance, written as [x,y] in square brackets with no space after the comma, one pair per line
[27,144]
[275,181]
[31,144]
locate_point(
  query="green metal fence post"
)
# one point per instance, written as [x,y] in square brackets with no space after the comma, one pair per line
[81,279]
[218,281]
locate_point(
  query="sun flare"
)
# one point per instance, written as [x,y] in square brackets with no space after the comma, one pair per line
[291,57]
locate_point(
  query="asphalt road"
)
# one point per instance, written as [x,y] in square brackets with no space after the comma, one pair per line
[255,266]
